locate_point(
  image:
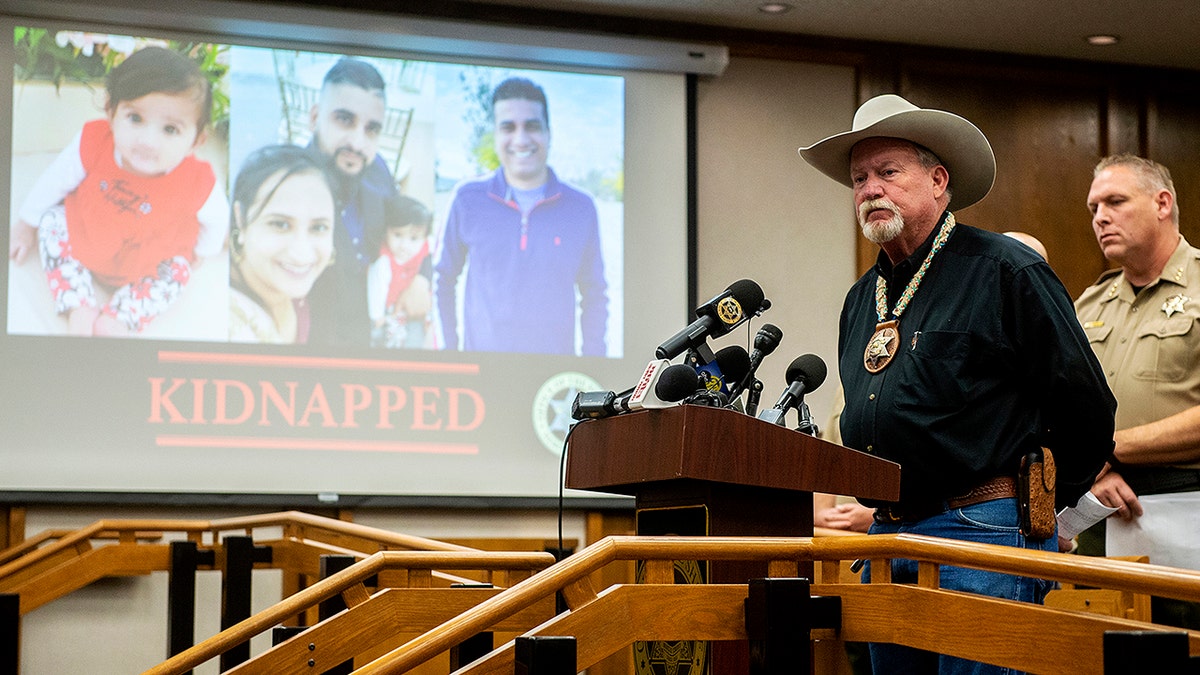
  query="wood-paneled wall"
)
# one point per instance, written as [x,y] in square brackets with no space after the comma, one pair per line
[1049,123]
[1172,136]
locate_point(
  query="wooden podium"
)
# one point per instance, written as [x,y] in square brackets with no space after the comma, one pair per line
[754,478]
[696,470]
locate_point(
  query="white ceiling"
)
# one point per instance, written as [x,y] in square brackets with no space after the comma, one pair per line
[1152,32]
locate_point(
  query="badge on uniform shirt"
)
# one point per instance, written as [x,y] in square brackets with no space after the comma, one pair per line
[1174,304]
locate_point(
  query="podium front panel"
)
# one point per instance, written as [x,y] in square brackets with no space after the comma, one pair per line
[625,453]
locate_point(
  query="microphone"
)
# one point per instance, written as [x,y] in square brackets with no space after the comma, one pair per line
[597,404]
[702,385]
[765,342]
[716,317]
[678,382]
[804,374]
[727,368]
[645,394]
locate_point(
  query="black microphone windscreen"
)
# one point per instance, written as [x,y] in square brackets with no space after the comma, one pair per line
[748,294]
[767,338]
[807,367]
[676,383]
[734,363]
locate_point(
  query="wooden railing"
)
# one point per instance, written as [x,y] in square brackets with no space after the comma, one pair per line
[409,594]
[1018,635]
[103,549]
[373,618]
[47,537]
[56,563]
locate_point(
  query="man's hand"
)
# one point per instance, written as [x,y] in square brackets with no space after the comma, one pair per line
[1112,491]
[848,516]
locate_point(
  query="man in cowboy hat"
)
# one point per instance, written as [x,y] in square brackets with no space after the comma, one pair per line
[959,353]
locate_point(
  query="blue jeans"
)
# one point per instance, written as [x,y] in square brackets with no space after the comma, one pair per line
[994,522]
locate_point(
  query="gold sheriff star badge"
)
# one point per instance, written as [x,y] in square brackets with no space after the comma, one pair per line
[1174,304]
[881,348]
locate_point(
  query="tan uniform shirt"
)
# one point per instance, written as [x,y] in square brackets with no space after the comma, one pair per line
[1148,344]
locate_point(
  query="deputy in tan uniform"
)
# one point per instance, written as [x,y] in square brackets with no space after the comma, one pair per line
[1143,321]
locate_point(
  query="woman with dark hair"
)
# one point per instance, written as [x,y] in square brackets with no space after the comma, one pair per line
[282,240]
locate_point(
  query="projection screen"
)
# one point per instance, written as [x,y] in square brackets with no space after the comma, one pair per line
[128,367]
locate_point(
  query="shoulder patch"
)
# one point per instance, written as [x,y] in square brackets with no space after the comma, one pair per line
[1106,275]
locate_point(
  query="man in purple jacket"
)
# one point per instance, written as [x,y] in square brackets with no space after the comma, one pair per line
[528,243]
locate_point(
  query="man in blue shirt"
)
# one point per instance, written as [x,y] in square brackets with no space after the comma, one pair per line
[525,246]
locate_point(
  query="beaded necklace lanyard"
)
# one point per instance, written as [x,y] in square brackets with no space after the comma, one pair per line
[882,346]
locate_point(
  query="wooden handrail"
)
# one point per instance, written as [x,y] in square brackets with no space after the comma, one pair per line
[124,530]
[342,582]
[1081,570]
[831,532]
[1017,635]
[25,547]
[59,562]
[570,571]
[1142,578]
[101,529]
[572,575]
[293,518]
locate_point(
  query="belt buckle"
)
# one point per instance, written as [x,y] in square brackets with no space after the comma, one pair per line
[887,516]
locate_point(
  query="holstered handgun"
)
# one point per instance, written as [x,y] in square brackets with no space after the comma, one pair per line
[1035,494]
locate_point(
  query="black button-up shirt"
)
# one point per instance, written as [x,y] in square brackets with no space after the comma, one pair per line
[991,364]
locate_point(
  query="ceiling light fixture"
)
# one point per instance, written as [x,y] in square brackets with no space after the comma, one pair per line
[1102,40]
[774,7]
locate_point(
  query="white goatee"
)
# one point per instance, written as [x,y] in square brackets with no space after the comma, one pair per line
[880,233]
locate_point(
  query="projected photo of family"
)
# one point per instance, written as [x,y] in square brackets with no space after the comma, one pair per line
[329,245]
[453,231]
[240,194]
[118,203]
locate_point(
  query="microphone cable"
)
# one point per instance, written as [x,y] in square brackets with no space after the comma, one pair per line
[562,479]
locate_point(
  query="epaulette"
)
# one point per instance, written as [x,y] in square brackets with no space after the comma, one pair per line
[1106,275]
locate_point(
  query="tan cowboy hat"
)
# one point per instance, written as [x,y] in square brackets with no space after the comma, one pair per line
[962,147]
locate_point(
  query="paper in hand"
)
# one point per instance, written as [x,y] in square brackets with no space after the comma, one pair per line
[1087,512]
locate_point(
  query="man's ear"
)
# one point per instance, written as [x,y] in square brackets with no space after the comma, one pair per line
[1164,202]
[941,180]
[312,118]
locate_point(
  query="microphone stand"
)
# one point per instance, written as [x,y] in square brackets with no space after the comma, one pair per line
[700,355]
[806,425]
[753,393]
[712,399]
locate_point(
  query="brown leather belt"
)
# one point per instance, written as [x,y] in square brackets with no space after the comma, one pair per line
[1000,487]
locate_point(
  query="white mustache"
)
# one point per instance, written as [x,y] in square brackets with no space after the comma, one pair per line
[872,204]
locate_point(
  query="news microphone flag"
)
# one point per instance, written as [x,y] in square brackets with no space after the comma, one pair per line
[644,395]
